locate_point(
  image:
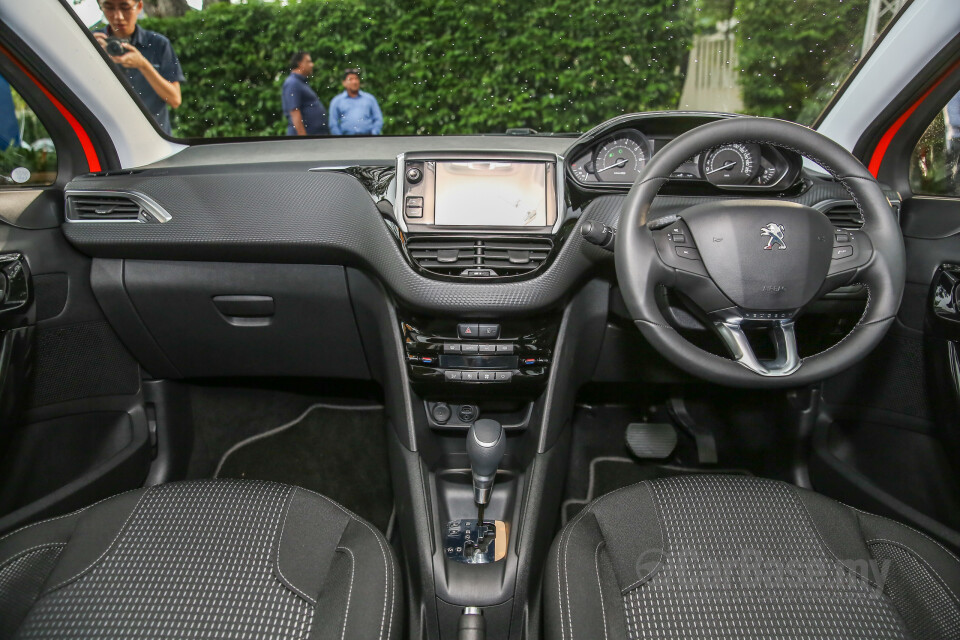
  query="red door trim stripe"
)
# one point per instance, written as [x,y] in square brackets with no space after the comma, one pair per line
[93,160]
[876,160]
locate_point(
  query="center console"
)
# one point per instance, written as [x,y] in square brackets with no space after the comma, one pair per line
[482,218]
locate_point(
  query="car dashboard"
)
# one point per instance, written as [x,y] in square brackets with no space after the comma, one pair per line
[288,222]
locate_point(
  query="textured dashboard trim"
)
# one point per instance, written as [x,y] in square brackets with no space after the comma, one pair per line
[329,218]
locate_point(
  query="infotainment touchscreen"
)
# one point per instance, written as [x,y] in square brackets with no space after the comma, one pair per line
[491,193]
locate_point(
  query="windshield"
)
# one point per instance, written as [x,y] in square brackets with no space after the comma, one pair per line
[208,68]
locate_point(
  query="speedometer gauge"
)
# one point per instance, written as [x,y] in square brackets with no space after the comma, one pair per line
[731,164]
[621,159]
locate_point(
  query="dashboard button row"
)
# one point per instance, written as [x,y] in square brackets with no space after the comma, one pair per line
[467,331]
[473,347]
[478,376]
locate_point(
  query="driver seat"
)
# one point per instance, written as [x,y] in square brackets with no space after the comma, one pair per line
[708,556]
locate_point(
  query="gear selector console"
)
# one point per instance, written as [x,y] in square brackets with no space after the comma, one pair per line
[471,544]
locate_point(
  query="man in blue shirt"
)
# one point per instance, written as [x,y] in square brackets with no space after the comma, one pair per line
[305,113]
[149,62]
[354,112]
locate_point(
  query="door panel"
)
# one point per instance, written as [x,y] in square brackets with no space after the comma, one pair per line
[73,425]
[888,439]
[74,429]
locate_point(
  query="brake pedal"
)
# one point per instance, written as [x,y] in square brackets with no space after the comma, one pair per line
[651,440]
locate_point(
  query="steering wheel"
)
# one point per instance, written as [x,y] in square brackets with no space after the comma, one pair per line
[758,263]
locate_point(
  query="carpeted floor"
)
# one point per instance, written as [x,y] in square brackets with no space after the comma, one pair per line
[340,453]
[601,462]
[337,452]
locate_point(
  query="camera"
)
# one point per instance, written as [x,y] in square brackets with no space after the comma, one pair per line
[115,46]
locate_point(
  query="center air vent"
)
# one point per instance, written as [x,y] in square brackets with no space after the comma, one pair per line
[479,257]
[845,215]
[112,207]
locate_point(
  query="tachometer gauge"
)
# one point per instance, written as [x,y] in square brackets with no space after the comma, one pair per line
[731,164]
[620,160]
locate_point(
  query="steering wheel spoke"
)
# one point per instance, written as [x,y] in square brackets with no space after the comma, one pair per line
[730,323]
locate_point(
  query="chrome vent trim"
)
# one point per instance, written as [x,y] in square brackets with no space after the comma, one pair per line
[113,206]
[504,256]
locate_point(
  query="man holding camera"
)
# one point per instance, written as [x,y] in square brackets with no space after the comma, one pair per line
[147,58]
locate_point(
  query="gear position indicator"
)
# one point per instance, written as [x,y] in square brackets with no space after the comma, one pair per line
[470,544]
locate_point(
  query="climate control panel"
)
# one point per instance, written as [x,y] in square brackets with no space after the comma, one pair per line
[478,353]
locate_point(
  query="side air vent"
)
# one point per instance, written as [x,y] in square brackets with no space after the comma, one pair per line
[844,215]
[89,206]
[479,257]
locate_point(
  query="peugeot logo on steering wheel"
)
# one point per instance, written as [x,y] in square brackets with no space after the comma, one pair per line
[774,234]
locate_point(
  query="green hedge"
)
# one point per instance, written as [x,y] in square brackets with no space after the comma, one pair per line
[436,66]
[794,54]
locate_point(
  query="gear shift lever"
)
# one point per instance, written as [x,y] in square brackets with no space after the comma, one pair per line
[486,444]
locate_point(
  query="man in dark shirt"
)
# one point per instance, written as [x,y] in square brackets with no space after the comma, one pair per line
[149,63]
[305,113]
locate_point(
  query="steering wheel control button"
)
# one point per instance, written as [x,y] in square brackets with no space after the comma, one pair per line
[489,330]
[766,315]
[841,252]
[452,376]
[468,331]
[678,238]
[842,237]
[688,252]
[441,412]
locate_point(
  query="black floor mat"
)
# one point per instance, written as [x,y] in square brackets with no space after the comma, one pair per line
[339,453]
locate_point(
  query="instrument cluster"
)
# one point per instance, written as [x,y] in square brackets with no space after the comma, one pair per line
[616,159]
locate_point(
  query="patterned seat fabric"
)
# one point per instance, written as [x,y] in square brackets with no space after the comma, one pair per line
[222,558]
[738,557]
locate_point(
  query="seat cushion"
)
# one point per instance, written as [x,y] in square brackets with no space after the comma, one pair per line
[210,558]
[739,557]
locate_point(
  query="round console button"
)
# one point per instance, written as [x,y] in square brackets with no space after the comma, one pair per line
[441,412]
[414,175]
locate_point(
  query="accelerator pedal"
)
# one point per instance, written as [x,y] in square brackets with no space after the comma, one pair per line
[651,440]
